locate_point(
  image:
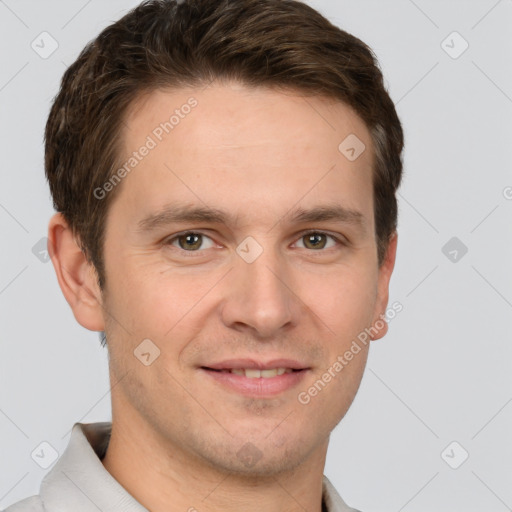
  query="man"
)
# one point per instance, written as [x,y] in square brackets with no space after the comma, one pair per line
[224,174]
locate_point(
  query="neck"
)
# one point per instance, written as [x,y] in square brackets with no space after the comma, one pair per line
[163,476]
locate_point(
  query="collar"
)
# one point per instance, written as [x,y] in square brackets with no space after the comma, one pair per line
[79,481]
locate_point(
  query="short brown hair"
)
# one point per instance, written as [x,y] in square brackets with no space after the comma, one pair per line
[171,43]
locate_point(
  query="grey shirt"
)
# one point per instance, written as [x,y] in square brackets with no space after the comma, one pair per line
[79,482]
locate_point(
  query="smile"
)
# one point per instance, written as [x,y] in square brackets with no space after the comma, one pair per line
[254,373]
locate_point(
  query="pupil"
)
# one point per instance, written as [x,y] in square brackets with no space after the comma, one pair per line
[191,241]
[312,237]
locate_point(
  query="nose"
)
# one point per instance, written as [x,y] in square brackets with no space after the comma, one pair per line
[260,299]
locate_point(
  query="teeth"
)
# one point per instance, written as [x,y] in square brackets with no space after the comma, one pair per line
[252,373]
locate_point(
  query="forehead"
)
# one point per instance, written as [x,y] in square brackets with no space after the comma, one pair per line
[233,145]
[232,114]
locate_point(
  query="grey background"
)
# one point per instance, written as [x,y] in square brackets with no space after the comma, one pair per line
[442,374]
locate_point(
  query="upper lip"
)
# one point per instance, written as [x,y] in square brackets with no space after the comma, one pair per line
[230,364]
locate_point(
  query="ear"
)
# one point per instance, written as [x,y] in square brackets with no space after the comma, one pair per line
[76,276]
[385,271]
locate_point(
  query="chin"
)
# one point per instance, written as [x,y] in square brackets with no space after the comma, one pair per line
[259,456]
[267,463]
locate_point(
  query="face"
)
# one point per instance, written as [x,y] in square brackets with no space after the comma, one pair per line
[276,271]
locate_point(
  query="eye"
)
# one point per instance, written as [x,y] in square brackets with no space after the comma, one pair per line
[189,241]
[192,241]
[316,240]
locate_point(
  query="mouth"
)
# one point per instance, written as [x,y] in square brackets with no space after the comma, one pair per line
[252,378]
[254,373]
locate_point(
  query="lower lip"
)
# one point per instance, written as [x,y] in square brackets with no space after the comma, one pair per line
[260,387]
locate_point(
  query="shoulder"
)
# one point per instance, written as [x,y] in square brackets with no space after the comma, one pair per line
[30,504]
[333,501]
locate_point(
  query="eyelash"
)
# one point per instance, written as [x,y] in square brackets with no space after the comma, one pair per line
[168,241]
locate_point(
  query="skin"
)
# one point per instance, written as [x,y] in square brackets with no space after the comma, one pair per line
[258,154]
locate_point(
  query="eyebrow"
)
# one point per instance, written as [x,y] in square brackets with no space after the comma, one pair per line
[180,214]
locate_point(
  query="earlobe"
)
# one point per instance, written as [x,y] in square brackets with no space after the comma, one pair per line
[386,269]
[76,276]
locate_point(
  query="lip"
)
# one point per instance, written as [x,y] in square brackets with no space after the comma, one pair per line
[230,364]
[257,387]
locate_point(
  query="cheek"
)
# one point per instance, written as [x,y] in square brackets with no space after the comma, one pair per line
[343,300]
[326,398]
[148,301]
